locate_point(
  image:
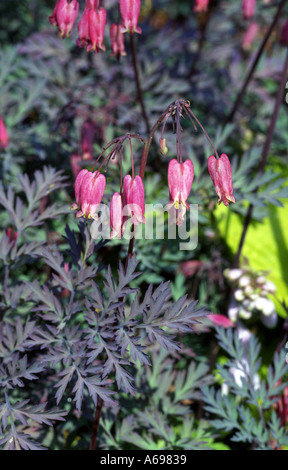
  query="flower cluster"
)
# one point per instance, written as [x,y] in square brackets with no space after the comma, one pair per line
[89,191]
[92,24]
[251,296]
[91,27]
[181,174]
[129,201]
[180,179]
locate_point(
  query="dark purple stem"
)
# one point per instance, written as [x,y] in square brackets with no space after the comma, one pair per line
[96,423]
[137,82]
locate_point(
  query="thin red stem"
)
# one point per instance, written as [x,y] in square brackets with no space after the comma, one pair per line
[132,158]
[206,134]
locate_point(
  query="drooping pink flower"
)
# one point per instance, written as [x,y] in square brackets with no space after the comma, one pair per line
[221,175]
[97,23]
[4,138]
[249,35]
[91,27]
[284,35]
[134,199]
[180,179]
[117,41]
[130,11]
[248,8]
[116,215]
[64,16]
[201,6]
[83,29]
[89,190]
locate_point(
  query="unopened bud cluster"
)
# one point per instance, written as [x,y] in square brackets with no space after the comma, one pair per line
[251,296]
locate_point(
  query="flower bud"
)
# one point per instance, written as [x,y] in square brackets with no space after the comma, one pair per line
[233,274]
[233,311]
[268,308]
[261,279]
[245,314]
[239,295]
[248,291]
[163,147]
[269,287]
[244,334]
[253,296]
[264,305]
[244,281]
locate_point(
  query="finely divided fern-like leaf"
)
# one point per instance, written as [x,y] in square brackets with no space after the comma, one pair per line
[17,370]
